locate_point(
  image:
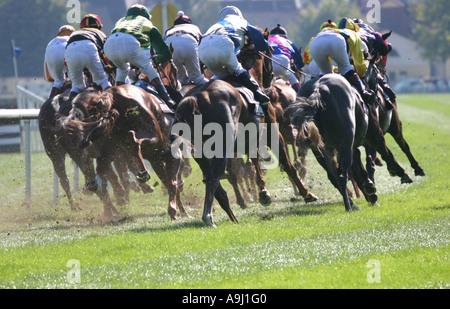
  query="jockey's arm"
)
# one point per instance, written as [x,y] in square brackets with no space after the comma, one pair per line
[159,45]
[257,38]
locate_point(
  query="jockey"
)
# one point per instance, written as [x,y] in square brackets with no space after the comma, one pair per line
[185,38]
[377,46]
[223,41]
[283,51]
[337,44]
[130,43]
[54,68]
[85,50]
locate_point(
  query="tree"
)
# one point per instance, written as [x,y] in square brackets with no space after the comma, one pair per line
[432,29]
[32,24]
[307,24]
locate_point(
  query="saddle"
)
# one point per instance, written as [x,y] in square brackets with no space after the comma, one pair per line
[145,84]
[248,96]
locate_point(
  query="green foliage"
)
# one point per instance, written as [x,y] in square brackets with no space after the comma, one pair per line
[32,24]
[307,24]
[432,28]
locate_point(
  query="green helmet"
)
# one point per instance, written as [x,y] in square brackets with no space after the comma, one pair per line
[139,10]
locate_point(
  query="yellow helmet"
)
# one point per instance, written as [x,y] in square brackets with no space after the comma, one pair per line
[328,24]
[347,23]
[65,30]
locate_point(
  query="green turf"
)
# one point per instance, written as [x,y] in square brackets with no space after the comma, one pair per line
[286,245]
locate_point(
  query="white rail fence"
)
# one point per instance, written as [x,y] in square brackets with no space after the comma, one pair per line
[28,106]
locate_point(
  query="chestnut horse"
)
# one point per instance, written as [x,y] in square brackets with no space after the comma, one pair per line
[59,141]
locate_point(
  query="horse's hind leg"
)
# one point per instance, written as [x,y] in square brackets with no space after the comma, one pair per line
[292,172]
[396,130]
[233,172]
[375,139]
[58,161]
[103,163]
[222,198]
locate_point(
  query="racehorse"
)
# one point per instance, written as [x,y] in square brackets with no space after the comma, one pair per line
[388,118]
[218,103]
[130,118]
[330,124]
[325,116]
[59,142]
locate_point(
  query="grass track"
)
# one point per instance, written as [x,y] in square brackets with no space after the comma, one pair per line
[286,245]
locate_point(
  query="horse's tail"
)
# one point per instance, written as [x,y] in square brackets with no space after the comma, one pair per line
[301,113]
[186,110]
[100,109]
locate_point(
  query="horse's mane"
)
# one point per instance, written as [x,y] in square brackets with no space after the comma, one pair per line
[102,117]
[302,113]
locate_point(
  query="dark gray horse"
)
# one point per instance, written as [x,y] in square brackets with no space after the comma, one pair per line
[333,110]
[325,115]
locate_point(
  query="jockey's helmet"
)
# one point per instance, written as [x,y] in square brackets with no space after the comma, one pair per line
[328,25]
[65,30]
[182,19]
[278,30]
[139,10]
[91,21]
[230,10]
[347,23]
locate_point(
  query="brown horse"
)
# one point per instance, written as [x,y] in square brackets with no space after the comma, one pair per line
[59,141]
[218,104]
[129,118]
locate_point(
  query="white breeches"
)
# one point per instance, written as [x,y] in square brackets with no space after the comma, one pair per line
[185,58]
[217,53]
[326,47]
[125,50]
[54,57]
[84,54]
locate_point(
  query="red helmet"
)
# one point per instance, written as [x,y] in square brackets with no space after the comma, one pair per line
[91,21]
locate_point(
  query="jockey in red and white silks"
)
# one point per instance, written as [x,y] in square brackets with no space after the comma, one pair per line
[85,50]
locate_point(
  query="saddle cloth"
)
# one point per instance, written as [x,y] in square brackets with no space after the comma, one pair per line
[150,89]
[249,97]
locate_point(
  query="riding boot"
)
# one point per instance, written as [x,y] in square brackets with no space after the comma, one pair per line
[387,89]
[120,83]
[247,81]
[54,92]
[162,91]
[354,80]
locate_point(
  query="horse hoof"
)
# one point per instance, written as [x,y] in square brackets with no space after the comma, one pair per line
[406,179]
[209,221]
[309,198]
[372,199]
[264,198]
[143,176]
[369,189]
[419,172]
